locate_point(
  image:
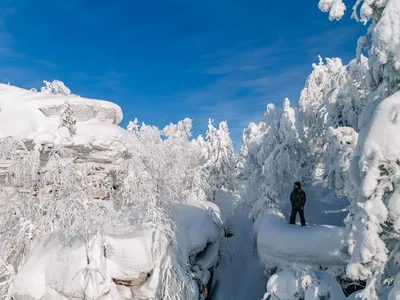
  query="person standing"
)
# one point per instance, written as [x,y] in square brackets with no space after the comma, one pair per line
[298,200]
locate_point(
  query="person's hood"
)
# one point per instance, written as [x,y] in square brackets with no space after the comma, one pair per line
[298,183]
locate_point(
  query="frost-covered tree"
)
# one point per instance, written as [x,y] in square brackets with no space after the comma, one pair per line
[381,41]
[7,274]
[282,157]
[221,160]
[43,196]
[164,172]
[201,144]
[339,150]
[17,201]
[67,119]
[211,138]
[133,126]
[248,165]
[346,102]
[264,196]
[323,80]
[56,87]
[373,241]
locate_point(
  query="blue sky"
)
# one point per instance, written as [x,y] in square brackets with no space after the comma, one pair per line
[165,60]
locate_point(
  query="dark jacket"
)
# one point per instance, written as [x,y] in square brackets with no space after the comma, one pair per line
[298,198]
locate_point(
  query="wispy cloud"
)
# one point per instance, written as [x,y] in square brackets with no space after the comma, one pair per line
[246,77]
[246,57]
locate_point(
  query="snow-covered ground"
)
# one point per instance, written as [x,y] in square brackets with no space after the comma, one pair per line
[240,274]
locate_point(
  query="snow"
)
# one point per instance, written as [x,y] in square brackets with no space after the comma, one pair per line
[56,271]
[280,244]
[301,282]
[375,209]
[283,285]
[54,268]
[96,122]
[239,275]
[385,119]
[336,8]
[193,219]
[13,98]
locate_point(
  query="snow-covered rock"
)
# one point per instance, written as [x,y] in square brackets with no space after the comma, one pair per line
[194,224]
[280,244]
[35,118]
[55,271]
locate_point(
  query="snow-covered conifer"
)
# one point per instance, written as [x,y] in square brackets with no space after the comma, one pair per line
[220,163]
[282,155]
[346,102]
[133,126]
[323,80]
[67,119]
[340,149]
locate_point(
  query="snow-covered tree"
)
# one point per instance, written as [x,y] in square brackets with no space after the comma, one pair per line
[323,80]
[202,145]
[7,274]
[339,150]
[251,143]
[381,41]
[346,102]
[282,157]
[211,137]
[133,126]
[67,119]
[56,87]
[220,164]
[164,172]
[373,241]
[45,196]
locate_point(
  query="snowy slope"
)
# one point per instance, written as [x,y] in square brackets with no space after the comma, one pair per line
[54,271]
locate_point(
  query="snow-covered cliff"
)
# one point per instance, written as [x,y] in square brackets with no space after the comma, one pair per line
[34,117]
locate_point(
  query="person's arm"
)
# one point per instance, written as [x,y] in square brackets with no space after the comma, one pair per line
[304,199]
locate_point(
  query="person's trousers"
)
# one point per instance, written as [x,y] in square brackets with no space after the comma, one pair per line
[296,210]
